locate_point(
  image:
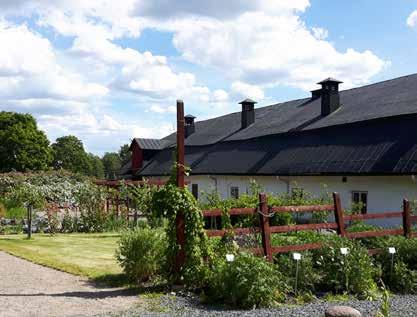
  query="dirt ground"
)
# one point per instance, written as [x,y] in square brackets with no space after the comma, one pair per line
[28,289]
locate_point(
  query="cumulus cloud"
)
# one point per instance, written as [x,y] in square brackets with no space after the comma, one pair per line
[320,33]
[412,19]
[221,9]
[242,90]
[254,44]
[261,49]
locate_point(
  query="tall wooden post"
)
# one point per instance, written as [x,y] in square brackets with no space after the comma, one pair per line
[29,210]
[338,215]
[264,222]
[406,218]
[179,221]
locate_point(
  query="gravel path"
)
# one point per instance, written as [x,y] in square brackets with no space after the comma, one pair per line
[28,289]
[166,306]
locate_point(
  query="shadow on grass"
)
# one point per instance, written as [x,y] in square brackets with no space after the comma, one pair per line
[121,280]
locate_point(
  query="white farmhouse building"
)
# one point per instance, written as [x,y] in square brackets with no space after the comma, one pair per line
[360,142]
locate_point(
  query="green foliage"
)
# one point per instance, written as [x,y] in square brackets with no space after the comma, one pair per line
[167,202]
[140,197]
[247,282]
[22,146]
[112,164]
[308,276]
[385,308]
[124,153]
[69,224]
[399,275]
[353,273]
[95,166]
[141,253]
[70,155]
[90,201]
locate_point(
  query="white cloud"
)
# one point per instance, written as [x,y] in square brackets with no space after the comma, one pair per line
[254,44]
[213,8]
[320,33]
[412,19]
[161,109]
[243,91]
[29,69]
[271,51]
[219,95]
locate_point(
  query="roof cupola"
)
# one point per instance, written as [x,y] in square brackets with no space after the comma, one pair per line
[330,99]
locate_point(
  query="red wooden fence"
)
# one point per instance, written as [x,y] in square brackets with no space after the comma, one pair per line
[265,212]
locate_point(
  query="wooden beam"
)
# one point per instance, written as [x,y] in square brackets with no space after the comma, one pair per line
[264,221]
[180,221]
[231,212]
[312,208]
[380,215]
[338,215]
[406,219]
[378,233]
[310,226]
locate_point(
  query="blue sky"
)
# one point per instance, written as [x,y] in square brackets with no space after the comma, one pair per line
[107,71]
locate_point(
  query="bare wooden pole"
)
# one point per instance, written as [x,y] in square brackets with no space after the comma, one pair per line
[265,230]
[29,209]
[406,218]
[338,215]
[179,221]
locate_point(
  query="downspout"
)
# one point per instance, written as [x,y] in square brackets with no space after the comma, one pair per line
[215,182]
[285,181]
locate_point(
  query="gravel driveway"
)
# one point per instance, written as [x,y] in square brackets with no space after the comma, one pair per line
[28,289]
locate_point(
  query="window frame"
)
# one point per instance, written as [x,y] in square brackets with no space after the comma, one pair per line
[236,194]
[360,200]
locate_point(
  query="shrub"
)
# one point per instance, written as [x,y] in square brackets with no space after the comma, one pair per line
[247,282]
[308,276]
[69,223]
[353,273]
[90,201]
[402,277]
[141,253]
[402,280]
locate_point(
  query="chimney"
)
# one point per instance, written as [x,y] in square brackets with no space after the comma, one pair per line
[315,94]
[189,125]
[248,112]
[330,99]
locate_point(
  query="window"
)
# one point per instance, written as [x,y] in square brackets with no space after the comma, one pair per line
[194,190]
[360,201]
[234,192]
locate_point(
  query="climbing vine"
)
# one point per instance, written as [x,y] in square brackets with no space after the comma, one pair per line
[167,202]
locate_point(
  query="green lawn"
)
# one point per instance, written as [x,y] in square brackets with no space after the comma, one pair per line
[90,255]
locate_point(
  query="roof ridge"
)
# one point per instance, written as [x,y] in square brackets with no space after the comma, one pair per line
[380,82]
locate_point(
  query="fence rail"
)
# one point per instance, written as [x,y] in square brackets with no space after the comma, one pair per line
[265,212]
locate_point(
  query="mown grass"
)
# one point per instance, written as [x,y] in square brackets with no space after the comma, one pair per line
[89,255]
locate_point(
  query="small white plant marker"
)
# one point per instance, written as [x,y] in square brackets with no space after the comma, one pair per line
[296,256]
[230,257]
[344,251]
[392,250]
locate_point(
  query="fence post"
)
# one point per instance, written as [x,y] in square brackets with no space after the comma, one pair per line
[406,218]
[264,222]
[338,215]
[29,210]
[180,221]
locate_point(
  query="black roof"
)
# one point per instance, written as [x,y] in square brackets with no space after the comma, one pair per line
[150,144]
[384,99]
[383,146]
[373,132]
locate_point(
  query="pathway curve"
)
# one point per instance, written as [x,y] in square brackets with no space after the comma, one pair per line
[28,289]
